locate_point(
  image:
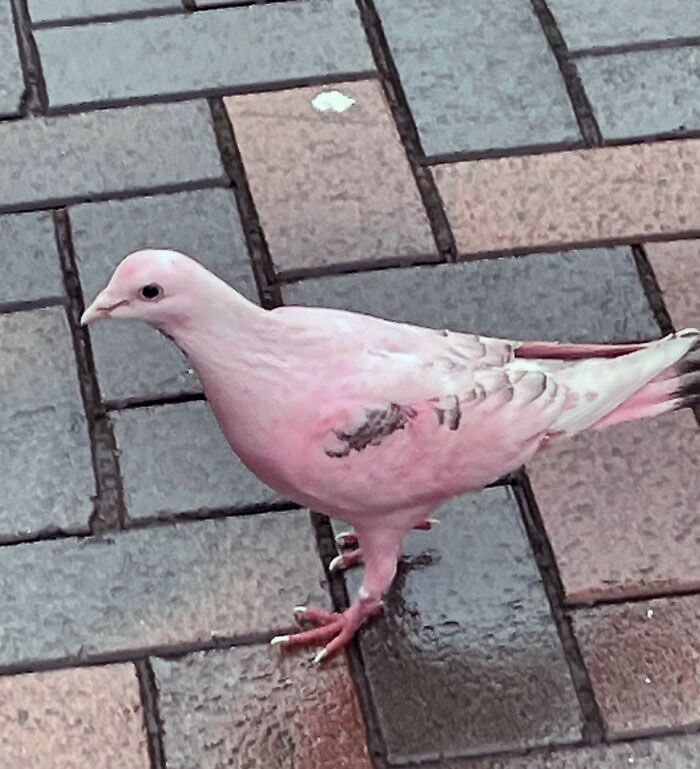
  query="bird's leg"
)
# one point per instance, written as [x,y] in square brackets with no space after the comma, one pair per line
[381,551]
[348,539]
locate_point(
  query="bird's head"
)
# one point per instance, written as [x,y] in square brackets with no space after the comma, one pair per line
[150,284]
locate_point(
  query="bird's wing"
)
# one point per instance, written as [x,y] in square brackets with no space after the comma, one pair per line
[394,391]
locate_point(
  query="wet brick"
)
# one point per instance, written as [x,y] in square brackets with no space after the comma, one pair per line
[256,708]
[175,459]
[477,75]
[132,360]
[667,753]
[228,48]
[466,657]
[169,584]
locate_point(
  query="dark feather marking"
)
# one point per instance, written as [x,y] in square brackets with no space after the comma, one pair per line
[378,425]
[450,415]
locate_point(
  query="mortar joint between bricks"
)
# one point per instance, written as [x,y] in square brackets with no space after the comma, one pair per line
[580,103]
[593,725]
[35,100]
[151,713]
[406,127]
[258,250]
[109,512]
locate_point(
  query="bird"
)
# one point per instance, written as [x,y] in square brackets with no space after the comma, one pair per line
[375,422]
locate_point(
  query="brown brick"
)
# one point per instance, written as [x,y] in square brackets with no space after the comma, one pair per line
[677,269]
[559,198]
[620,507]
[80,718]
[331,185]
[643,662]
[258,708]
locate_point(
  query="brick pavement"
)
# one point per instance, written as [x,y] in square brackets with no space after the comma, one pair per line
[521,168]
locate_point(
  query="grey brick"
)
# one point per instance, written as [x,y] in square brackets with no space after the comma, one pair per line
[226,49]
[477,75]
[466,658]
[133,360]
[584,295]
[47,479]
[174,458]
[63,10]
[253,707]
[664,753]
[46,160]
[644,92]
[599,23]
[171,584]
[11,78]
[29,258]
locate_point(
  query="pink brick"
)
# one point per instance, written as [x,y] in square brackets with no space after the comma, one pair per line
[80,718]
[643,660]
[620,507]
[677,269]
[560,198]
[331,187]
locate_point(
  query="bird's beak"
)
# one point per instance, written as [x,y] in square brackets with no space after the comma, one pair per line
[102,307]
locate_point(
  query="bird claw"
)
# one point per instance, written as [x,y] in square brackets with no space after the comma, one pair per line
[331,627]
[345,561]
[346,539]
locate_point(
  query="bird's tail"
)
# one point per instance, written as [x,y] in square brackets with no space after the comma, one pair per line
[619,383]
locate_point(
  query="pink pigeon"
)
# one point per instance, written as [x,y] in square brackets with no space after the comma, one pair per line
[374,422]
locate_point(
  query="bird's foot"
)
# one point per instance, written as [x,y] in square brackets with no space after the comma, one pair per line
[348,539]
[332,627]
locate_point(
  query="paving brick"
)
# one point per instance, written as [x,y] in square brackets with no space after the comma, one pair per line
[229,48]
[47,160]
[47,479]
[643,663]
[602,496]
[29,258]
[252,708]
[82,718]
[621,193]
[643,93]
[499,86]
[677,269]
[329,176]
[466,658]
[175,459]
[669,753]
[170,584]
[11,78]
[586,295]
[600,23]
[64,10]
[132,360]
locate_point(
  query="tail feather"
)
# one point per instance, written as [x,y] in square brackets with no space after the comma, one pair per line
[647,381]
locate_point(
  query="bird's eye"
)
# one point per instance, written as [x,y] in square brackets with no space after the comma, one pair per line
[151,292]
